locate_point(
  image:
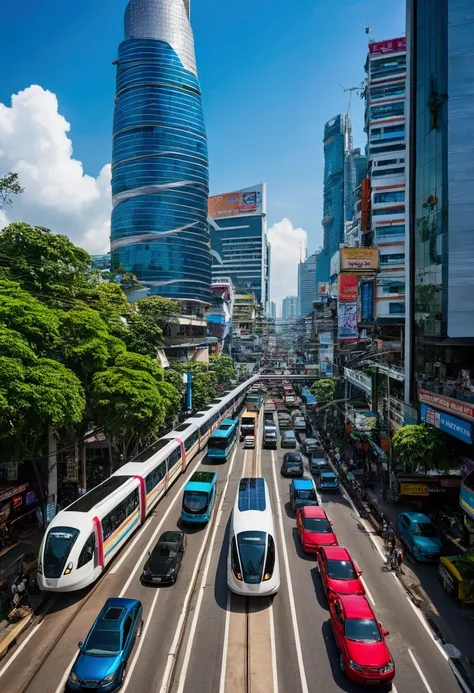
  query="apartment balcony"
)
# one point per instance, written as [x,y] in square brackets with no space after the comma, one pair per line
[447,388]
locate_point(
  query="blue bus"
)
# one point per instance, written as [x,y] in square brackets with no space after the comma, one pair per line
[199,497]
[223,440]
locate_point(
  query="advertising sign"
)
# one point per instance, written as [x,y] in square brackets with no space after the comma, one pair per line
[246,201]
[335,264]
[391,46]
[326,338]
[466,500]
[347,322]
[323,289]
[348,287]
[452,406]
[359,380]
[359,259]
[413,489]
[326,359]
[445,422]
[367,302]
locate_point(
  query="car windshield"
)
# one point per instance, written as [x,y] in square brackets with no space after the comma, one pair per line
[317,524]
[294,465]
[195,501]
[424,529]
[59,543]
[362,630]
[306,494]
[166,549]
[252,547]
[103,643]
[328,478]
[341,570]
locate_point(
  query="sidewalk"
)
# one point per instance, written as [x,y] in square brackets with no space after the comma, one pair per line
[30,544]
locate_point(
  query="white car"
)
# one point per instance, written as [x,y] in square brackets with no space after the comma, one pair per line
[249,442]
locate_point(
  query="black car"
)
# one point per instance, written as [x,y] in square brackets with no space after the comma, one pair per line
[292,465]
[164,562]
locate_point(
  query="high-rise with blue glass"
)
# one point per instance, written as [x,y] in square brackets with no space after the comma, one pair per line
[159,164]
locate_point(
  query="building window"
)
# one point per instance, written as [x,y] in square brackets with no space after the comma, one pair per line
[393,196]
[387,110]
[396,308]
[387,211]
[392,259]
[394,288]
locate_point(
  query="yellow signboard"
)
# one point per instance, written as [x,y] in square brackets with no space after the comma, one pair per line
[356,260]
[414,489]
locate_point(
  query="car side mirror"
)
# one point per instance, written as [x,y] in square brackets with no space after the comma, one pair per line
[80,645]
[149,553]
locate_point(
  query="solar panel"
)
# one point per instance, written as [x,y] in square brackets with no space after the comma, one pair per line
[252,494]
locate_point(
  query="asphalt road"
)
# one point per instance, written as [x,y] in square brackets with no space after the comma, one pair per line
[199,639]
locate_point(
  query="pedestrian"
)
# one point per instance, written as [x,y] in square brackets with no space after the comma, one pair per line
[338,456]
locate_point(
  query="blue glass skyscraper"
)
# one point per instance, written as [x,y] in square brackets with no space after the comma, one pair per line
[160,180]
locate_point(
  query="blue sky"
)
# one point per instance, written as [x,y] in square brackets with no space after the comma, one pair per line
[270,73]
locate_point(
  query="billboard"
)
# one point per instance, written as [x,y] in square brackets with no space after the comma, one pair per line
[347,322]
[447,404]
[348,287]
[445,422]
[390,46]
[367,302]
[323,289]
[334,264]
[359,259]
[238,203]
[326,353]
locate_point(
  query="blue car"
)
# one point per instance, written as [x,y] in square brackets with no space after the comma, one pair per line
[420,536]
[302,492]
[328,481]
[103,656]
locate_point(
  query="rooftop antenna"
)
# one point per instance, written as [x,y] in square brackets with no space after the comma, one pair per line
[368,31]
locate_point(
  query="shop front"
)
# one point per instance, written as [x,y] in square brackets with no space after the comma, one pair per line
[17,509]
[430,494]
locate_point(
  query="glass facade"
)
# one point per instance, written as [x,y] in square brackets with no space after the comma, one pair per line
[307,286]
[333,195]
[160,163]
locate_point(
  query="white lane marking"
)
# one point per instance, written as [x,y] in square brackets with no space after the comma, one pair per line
[423,622]
[123,558]
[273,650]
[394,689]
[172,654]
[20,648]
[225,646]
[367,591]
[418,668]
[299,653]
[202,587]
[140,644]
[62,683]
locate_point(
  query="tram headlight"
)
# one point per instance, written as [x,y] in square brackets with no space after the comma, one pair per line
[68,568]
[267,576]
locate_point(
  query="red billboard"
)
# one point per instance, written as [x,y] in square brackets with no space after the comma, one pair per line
[347,287]
[391,46]
[452,406]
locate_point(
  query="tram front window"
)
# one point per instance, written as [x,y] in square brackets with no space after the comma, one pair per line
[195,502]
[252,547]
[57,548]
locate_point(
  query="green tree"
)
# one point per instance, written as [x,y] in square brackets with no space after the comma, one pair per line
[9,185]
[128,403]
[25,314]
[47,265]
[158,309]
[109,300]
[222,368]
[87,346]
[203,382]
[324,389]
[417,445]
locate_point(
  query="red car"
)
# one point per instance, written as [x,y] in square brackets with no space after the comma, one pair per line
[360,638]
[314,528]
[339,573]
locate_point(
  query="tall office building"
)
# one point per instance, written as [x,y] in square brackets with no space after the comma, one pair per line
[273,310]
[159,163]
[385,126]
[289,307]
[337,143]
[307,287]
[239,245]
[440,216]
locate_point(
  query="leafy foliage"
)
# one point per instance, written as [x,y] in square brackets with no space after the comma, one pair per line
[324,389]
[417,445]
[203,382]
[222,368]
[47,265]
[9,185]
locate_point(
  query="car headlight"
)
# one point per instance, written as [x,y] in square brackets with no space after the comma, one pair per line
[388,667]
[73,678]
[170,572]
[354,665]
[109,678]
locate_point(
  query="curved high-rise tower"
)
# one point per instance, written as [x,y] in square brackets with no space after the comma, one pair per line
[160,180]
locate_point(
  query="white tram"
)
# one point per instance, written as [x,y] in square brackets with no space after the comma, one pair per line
[252,565]
[84,537]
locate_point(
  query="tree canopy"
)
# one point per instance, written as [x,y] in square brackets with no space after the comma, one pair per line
[9,185]
[417,445]
[324,389]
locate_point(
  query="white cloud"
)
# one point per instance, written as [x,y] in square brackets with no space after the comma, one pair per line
[287,244]
[58,194]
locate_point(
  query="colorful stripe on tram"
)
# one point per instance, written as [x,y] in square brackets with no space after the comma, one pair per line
[121,532]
